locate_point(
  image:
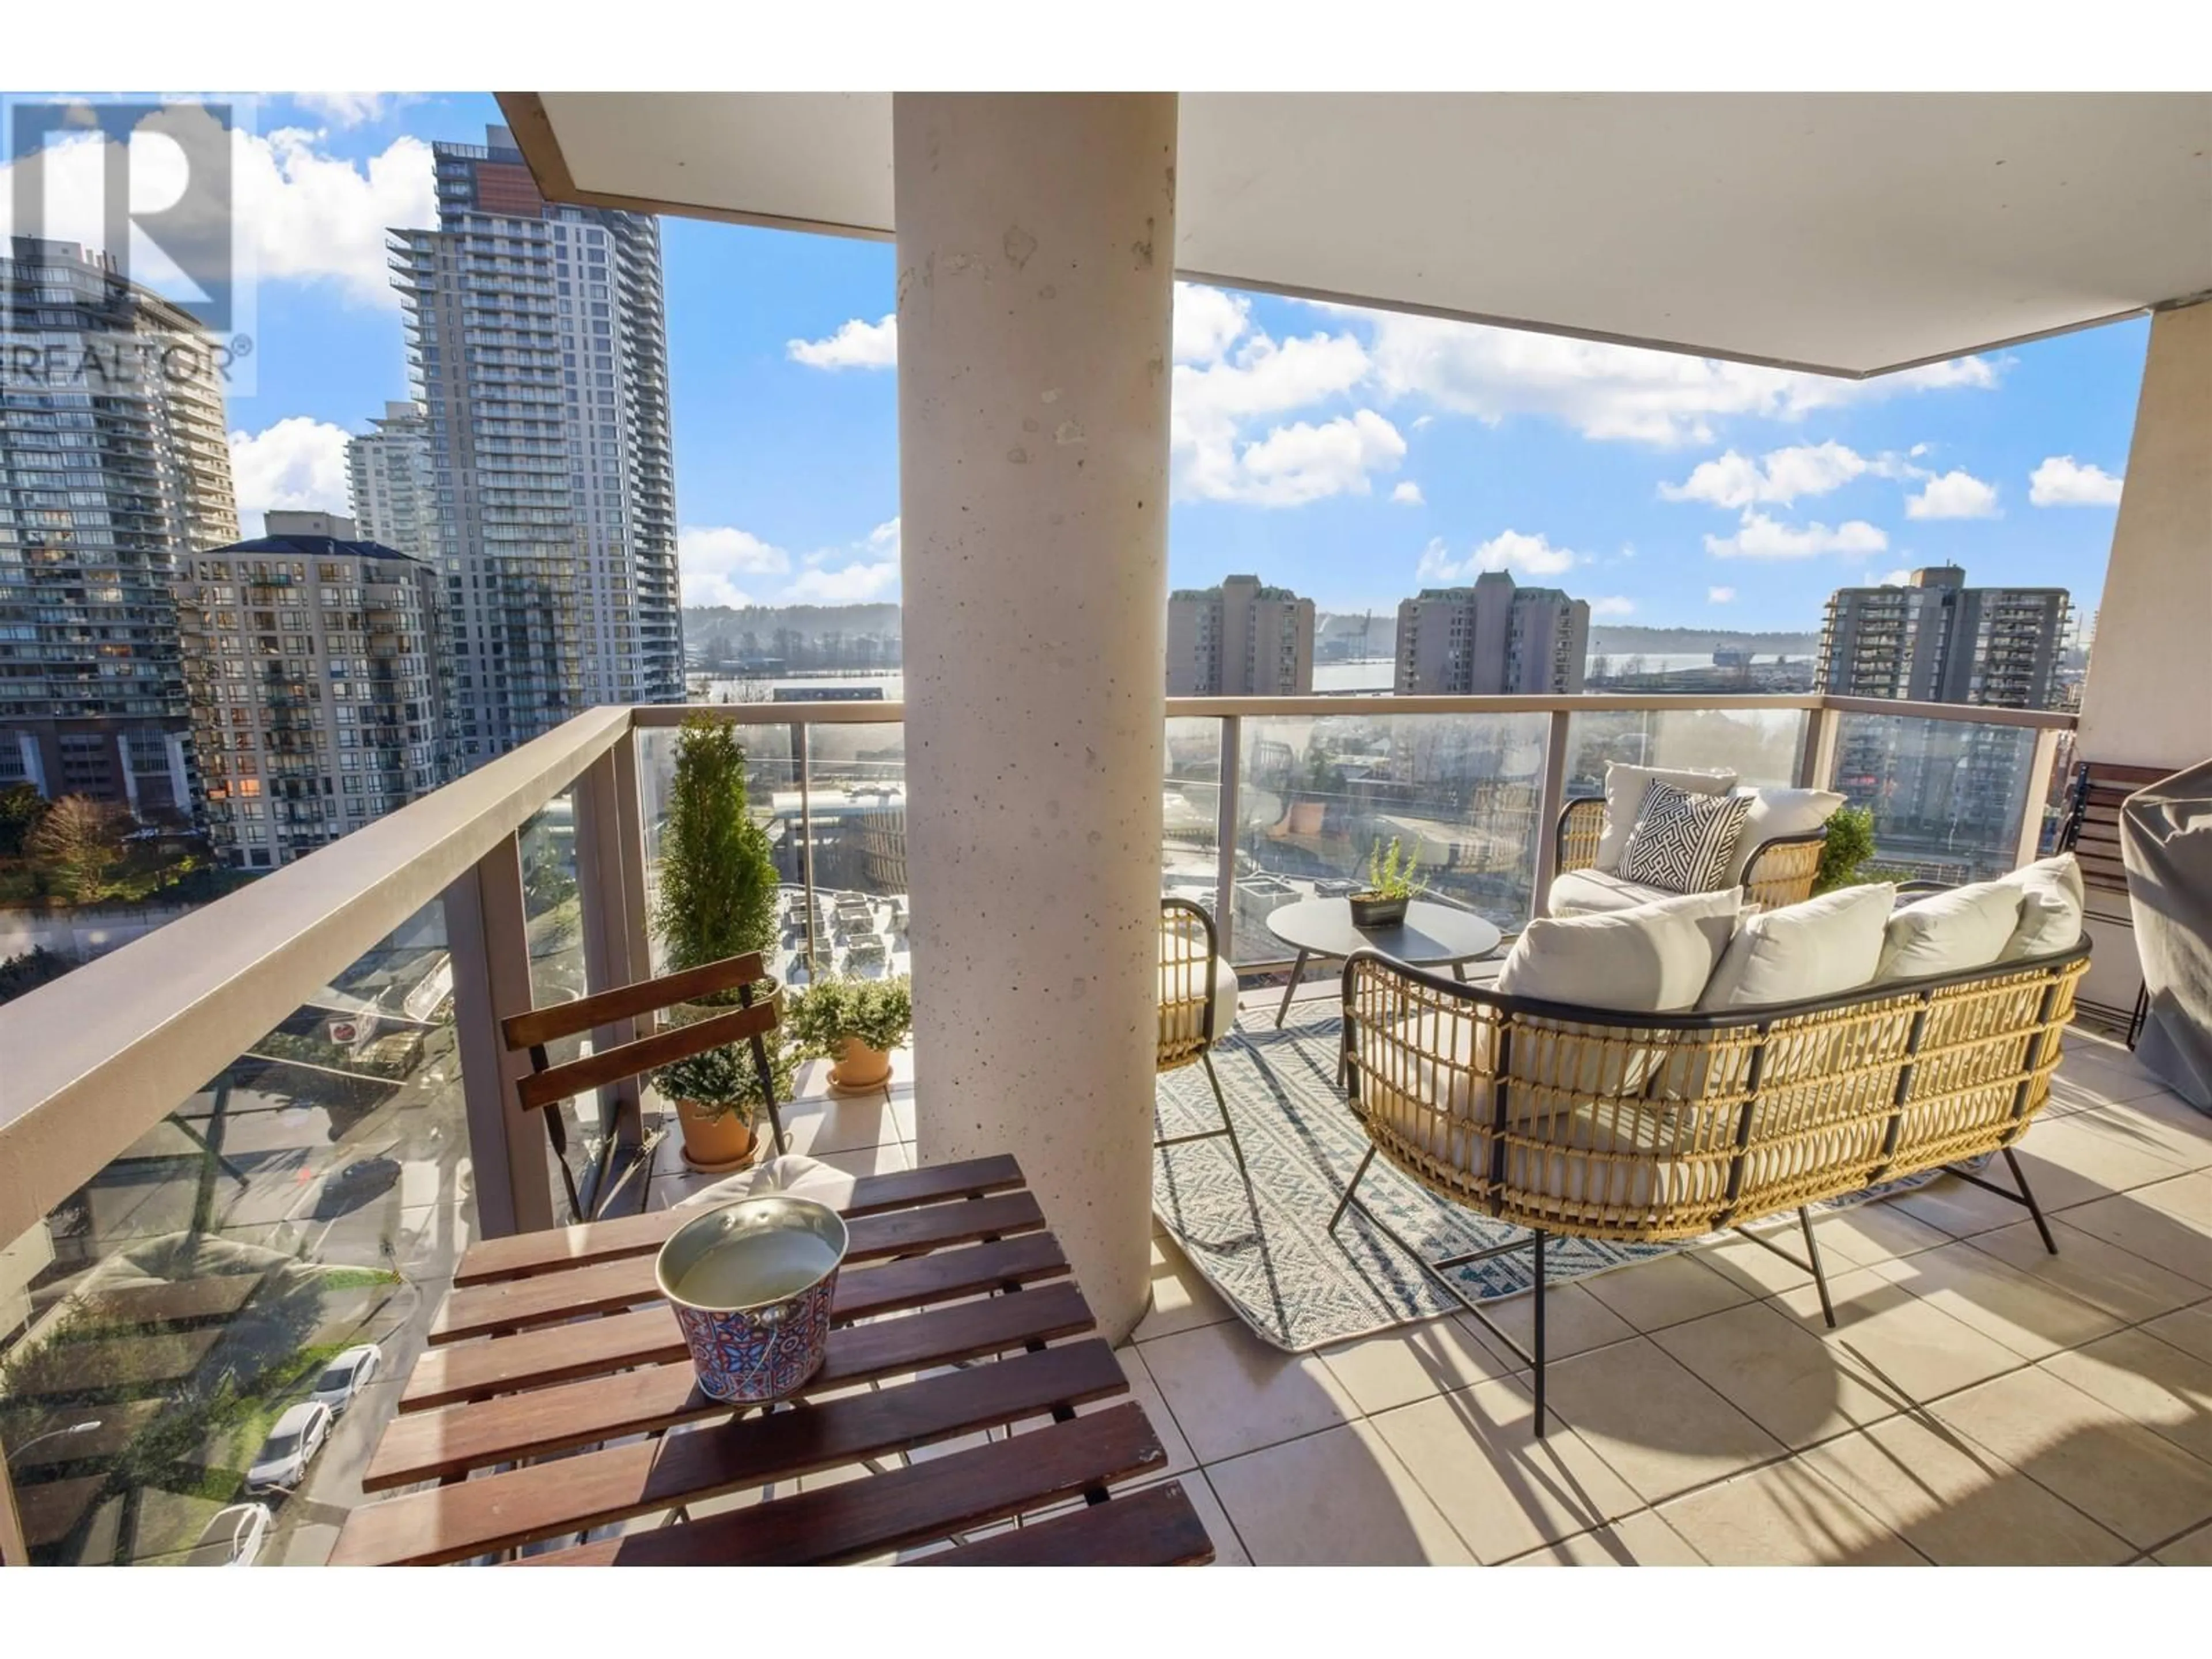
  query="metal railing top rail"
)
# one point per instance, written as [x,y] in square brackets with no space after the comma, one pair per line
[91,1061]
[94,1060]
[1385,702]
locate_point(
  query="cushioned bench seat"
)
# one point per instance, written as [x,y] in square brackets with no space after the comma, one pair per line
[1593,892]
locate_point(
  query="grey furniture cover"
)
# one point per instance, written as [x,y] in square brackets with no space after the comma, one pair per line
[2165,841]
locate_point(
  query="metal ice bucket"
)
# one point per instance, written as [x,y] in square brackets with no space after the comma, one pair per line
[753,1352]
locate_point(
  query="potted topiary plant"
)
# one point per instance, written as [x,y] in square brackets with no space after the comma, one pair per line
[1849,844]
[856,1023]
[1389,888]
[717,899]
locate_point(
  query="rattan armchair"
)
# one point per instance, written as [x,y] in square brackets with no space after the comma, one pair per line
[1648,1127]
[1191,975]
[1780,873]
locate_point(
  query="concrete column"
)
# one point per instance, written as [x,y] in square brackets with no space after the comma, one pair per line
[1036,248]
[2148,698]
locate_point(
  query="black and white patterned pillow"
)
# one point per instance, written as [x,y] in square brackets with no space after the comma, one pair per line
[1682,841]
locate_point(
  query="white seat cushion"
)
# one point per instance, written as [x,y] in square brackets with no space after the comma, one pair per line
[1183,1010]
[1949,932]
[1775,814]
[2053,897]
[1624,801]
[1816,949]
[1650,960]
[1593,892]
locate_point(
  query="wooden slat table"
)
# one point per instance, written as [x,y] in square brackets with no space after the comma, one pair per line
[556,1397]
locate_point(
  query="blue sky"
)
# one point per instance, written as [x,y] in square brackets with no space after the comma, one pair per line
[1353,456]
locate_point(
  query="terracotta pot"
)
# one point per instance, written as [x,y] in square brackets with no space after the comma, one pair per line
[859,1066]
[715,1143]
[1307,816]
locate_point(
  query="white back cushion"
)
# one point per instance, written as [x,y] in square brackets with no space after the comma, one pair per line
[1816,949]
[1948,932]
[1653,958]
[2052,898]
[1780,813]
[1624,801]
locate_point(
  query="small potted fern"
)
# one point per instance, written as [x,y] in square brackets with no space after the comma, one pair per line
[1390,888]
[856,1023]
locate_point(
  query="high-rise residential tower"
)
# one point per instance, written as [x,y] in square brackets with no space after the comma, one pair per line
[1493,639]
[116,467]
[1936,639]
[1242,639]
[312,659]
[388,476]
[1943,789]
[540,348]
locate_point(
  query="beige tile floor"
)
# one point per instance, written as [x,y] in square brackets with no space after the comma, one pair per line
[1980,1402]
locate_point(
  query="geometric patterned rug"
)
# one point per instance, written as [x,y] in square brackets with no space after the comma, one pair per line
[1267,1248]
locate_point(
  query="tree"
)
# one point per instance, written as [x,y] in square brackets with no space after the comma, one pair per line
[718,882]
[20,808]
[76,846]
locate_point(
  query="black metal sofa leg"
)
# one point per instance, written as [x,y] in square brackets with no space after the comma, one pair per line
[1536,1349]
[1228,1123]
[1813,1260]
[2027,1197]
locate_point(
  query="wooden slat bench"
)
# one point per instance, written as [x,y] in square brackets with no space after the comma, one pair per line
[558,1398]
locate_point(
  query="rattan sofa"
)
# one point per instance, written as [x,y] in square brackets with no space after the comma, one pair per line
[1648,1127]
[1781,872]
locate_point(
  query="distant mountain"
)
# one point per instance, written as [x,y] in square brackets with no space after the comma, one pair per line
[703,622]
[1613,639]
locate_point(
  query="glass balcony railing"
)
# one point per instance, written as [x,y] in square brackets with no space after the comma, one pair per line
[1948,797]
[309,1200]
[1460,796]
[247,1143]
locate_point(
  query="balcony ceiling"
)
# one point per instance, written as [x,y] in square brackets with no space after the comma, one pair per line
[1848,233]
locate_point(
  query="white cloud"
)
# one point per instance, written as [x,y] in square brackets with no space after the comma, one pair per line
[858,344]
[854,584]
[1758,536]
[1720,596]
[1955,494]
[1264,378]
[1509,550]
[307,216]
[2062,481]
[1781,476]
[1894,578]
[1215,406]
[1207,321]
[1613,605]
[723,565]
[298,464]
[712,557]
[348,109]
[1300,463]
[1408,494]
[1605,391]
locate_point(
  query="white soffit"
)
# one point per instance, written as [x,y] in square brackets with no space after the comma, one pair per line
[1849,233]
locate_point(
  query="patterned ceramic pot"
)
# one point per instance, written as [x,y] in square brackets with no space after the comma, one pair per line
[751,1283]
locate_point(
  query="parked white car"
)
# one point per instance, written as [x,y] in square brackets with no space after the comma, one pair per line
[233,1538]
[347,1376]
[282,1462]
